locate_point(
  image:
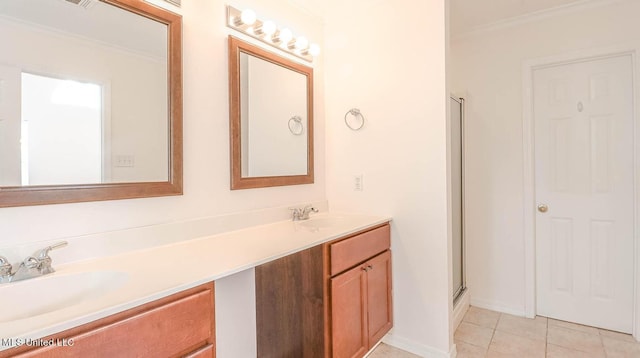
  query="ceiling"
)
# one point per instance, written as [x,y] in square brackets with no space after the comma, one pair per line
[99,22]
[466,15]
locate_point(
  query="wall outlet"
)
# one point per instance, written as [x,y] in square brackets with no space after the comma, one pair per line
[125,161]
[357,183]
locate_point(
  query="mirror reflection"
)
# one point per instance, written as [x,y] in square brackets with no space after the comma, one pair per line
[271,118]
[83,94]
[274,118]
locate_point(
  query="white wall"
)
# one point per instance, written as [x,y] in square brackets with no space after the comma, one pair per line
[397,79]
[487,69]
[206,150]
[206,144]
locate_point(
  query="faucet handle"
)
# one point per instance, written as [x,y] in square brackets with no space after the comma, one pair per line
[31,262]
[44,253]
[43,260]
[5,270]
[296,213]
[5,267]
[310,208]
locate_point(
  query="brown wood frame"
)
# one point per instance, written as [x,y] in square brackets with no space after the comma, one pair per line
[237,46]
[58,194]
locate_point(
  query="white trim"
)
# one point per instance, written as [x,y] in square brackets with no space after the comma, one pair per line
[460,309]
[106,132]
[529,167]
[497,306]
[528,216]
[416,348]
[533,16]
[636,189]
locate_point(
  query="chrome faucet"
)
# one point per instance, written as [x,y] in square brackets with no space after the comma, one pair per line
[5,270]
[302,213]
[38,264]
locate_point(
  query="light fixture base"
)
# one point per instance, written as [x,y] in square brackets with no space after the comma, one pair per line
[234,22]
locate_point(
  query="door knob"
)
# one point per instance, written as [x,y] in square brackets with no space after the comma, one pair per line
[543,208]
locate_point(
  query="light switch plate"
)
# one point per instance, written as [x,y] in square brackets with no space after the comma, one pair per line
[125,161]
[357,183]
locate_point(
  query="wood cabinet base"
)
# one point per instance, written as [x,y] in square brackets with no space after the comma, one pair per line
[332,300]
[181,325]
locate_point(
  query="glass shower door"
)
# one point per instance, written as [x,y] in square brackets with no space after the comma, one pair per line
[457,194]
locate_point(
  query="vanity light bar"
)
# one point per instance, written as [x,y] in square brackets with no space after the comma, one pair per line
[248,23]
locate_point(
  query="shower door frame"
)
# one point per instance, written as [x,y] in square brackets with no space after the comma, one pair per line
[460,291]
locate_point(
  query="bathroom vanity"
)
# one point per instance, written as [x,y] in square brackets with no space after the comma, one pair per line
[332,300]
[323,288]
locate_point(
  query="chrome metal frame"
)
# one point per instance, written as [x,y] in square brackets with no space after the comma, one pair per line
[462,288]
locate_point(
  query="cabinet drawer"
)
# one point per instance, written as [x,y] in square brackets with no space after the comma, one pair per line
[359,248]
[165,331]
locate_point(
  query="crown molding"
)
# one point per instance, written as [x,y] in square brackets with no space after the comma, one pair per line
[533,17]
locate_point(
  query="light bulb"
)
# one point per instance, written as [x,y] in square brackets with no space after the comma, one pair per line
[269,28]
[285,36]
[302,43]
[314,50]
[248,17]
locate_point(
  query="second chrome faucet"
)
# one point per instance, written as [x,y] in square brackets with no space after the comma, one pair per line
[302,213]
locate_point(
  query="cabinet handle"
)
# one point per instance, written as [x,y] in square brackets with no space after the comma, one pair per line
[367,268]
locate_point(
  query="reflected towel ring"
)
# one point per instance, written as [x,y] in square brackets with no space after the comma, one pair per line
[355,112]
[295,125]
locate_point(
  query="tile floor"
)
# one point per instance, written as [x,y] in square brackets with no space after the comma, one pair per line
[488,334]
[387,351]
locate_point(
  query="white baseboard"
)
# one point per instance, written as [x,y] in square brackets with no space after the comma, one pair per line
[460,309]
[497,306]
[416,348]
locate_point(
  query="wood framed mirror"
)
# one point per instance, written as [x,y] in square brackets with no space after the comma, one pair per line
[271,118]
[92,106]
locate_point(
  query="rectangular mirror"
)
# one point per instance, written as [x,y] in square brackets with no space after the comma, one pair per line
[90,101]
[271,116]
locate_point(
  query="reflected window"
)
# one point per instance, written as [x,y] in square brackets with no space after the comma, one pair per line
[62,131]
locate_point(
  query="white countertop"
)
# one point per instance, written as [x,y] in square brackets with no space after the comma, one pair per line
[160,271]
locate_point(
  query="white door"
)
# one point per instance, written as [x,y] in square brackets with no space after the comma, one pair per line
[583,116]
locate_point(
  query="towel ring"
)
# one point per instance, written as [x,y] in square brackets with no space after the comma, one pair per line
[295,125]
[355,113]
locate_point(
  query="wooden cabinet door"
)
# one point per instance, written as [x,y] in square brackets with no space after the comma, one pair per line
[380,316]
[349,314]
[290,316]
[207,351]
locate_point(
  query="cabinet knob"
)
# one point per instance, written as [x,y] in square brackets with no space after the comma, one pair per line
[369,267]
[543,208]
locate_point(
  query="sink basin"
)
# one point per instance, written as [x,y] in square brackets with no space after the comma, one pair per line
[322,222]
[38,296]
